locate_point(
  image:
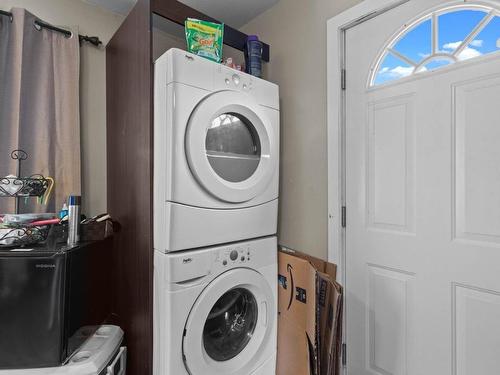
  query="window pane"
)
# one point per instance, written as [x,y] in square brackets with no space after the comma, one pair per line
[416,44]
[436,64]
[454,27]
[392,69]
[233,147]
[488,40]
[230,324]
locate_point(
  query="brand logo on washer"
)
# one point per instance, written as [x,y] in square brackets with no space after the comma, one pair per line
[45,265]
[187,260]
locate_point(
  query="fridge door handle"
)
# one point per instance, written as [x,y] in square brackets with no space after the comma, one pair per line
[119,364]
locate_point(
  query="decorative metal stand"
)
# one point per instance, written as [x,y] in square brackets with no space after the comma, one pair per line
[19,187]
[23,236]
[22,187]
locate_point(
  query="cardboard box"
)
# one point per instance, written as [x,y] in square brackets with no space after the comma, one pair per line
[309,315]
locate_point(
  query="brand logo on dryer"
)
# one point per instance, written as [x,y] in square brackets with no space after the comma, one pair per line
[187,260]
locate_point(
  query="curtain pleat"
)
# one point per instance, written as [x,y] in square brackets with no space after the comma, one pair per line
[39,107]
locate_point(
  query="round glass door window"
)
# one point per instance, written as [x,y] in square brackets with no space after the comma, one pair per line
[233,147]
[230,324]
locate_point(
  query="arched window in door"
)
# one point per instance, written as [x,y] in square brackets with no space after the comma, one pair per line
[440,38]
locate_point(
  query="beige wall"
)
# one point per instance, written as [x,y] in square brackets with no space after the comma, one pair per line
[91,21]
[296,31]
[162,42]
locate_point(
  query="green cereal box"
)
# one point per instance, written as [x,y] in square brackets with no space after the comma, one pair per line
[205,38]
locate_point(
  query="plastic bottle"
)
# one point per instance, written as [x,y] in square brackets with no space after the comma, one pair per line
[74,203]
[64,211]
[253,56]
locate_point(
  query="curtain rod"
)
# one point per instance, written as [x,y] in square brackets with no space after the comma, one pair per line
[94,40]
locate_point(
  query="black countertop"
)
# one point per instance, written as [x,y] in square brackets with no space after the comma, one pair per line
[43,249]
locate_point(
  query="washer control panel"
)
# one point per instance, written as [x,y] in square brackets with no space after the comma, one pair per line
[232,256]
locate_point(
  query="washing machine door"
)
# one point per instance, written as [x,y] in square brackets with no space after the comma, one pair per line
[229,325]
[230,146]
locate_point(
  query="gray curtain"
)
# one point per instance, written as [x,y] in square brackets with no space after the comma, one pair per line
[39,107]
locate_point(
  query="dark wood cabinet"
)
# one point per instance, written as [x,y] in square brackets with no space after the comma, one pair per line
[129,76]
[129,135]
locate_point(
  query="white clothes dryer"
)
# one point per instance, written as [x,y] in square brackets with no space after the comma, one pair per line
[215,310]
[216,154]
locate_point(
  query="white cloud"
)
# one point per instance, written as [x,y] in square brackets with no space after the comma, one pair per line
[397,72]
[452,46]
[402,71]
[468,52]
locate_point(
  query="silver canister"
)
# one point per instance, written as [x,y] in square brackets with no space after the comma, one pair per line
[74,204]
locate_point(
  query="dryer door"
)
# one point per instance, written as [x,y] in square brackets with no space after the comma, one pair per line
[229,325]
[230,146]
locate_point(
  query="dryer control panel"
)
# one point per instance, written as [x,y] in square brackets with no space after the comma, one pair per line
[227,78]
[265,93]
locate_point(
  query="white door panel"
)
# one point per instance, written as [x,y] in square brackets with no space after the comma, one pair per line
[477,160]
[423,212]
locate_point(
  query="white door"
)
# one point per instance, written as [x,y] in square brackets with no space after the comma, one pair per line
[423,190]
[230,146]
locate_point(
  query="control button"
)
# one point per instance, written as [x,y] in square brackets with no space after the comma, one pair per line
[233,255]
[227,81]
[224,262]
[244,86]
[236,79]
[242,258]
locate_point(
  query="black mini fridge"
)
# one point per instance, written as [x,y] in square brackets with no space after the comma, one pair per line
[46,296]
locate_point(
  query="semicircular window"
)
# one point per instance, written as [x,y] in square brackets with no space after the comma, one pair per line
[441,38]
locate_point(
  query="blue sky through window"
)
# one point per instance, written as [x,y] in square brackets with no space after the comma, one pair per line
[416,44]
[490,37]
[454,27]
[438,63]
[392,69]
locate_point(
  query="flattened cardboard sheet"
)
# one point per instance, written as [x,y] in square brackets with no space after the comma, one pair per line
[310,315]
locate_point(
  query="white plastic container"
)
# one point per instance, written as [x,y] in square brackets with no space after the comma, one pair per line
[101,354]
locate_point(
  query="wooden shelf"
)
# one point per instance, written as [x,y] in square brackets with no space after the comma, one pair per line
[177,12]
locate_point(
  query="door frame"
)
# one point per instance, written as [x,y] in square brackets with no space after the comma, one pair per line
[337,27]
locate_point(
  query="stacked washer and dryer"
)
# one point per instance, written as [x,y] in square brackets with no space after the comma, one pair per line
[216,173]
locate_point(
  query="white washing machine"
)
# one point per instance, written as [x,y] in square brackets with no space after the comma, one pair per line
[216,154]
[215,310]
